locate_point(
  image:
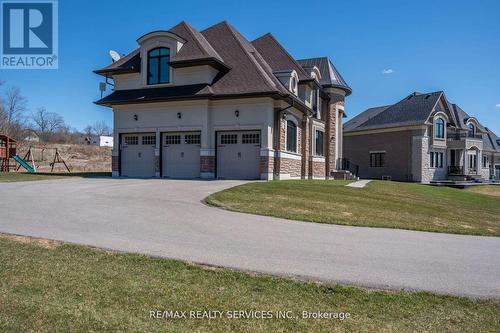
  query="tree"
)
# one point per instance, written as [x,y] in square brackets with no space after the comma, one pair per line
[100,128]
[88,130]
[40,120]
[14,105]
[47,124]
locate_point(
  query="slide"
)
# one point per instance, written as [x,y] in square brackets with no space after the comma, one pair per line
[23,163]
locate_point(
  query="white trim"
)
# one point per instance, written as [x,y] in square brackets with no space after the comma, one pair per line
[318,177]
[286,176]
[289,155]
[318,158]
[377,152]
[207,152]
[266,152]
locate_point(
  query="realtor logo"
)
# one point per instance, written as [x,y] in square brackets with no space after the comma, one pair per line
[29,34]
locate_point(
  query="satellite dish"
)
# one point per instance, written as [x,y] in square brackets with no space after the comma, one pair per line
[114,55]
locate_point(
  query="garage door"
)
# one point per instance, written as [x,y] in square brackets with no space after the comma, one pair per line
[238,155]
[181,155]
[138,155]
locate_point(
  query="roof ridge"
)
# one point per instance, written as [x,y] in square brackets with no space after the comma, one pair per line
[237,36]
[284,51]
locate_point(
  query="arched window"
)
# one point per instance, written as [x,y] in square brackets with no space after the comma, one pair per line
[158,66]
[439,128]
[291,136]
[472,130]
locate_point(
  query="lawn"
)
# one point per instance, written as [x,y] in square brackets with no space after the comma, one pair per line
[379,204]
[48,286]
[24,176]
[493,190]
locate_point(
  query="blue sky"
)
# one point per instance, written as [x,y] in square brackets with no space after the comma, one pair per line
[426,45]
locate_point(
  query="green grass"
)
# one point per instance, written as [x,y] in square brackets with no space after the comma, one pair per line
[48,286]
[24,176]
[379,204]
[493,190]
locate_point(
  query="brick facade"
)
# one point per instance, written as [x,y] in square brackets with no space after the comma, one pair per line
[318,169]
[207,164]
[266,165]
[115,163]
[306,146]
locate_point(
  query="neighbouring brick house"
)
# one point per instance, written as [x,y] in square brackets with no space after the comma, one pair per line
[421,138]
[211,104]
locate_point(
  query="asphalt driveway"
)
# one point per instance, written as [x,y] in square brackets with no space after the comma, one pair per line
[166,218]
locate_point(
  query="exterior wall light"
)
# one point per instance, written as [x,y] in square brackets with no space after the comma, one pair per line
[284,116]
[179,115]
[237,113]
[136,117]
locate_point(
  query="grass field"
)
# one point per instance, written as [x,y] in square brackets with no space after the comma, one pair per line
[379,204]
[24,176]
[493,190]
[47,286]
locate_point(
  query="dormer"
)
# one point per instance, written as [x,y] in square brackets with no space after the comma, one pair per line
[289,79]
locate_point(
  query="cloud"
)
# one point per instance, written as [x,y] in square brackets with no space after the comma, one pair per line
[388,71]
[498,105]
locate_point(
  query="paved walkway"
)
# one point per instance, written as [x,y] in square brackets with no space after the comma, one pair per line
[166,218]
[359,184]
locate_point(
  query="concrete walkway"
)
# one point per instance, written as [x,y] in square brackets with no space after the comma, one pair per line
[359,184]
[166,218]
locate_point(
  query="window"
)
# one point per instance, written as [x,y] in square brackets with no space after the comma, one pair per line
[472,130]
[439,128]
[485,161]
[192,139]
[377,160]
[291,136]
[158,66]
[319,143]
[436,159]
[228,139]
[172,139]
[251,138]
[315,97]
[149,139]
[131,140]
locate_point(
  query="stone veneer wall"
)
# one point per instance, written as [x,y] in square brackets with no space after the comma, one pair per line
[266,165]
[289,166]
[331,130]
[318,169]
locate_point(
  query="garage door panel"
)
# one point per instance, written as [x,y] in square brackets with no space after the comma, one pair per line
[181,155]
[138,155]
[238,155]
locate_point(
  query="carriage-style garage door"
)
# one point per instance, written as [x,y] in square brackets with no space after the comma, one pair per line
[238,155]
[138,155]
[181,155]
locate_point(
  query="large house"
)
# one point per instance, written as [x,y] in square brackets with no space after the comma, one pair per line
[211,104]
[421,138]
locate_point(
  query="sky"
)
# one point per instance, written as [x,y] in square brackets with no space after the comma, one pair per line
[384,49]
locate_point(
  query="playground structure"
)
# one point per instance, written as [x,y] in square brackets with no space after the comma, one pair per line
[8,151]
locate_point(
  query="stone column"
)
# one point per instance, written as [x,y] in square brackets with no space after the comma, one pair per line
[157,155]
[336,99]
[306,147]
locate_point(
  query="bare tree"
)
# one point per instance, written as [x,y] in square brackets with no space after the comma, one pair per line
[100,128]
[88,130]
[56,123]
[14,105]
[49,126]
[40,120]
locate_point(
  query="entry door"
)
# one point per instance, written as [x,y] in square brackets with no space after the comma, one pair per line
[238,155]
[181,154]
[138,155]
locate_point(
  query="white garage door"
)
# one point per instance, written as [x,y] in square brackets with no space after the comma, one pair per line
[181,155]
[238,155]
[138,155]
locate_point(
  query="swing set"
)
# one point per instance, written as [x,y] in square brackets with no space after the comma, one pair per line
[29,156]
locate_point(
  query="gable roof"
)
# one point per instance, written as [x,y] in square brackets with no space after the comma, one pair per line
[278,57]
[330,76]
[364,117]
[196,46]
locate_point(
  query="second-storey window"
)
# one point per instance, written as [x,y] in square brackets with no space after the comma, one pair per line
[439,128]
[291,136]
[158,66]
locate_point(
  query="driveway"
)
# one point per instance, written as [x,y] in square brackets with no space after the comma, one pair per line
[166,218]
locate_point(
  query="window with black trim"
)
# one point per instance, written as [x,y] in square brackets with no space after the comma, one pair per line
[485,161]
[131,140]
[250,138]
[149,139]
[291,136]
[158,66]
[436,159]
[377,160]
[192,139]
[228,139]
[319,143]
[172,139]
[315,97]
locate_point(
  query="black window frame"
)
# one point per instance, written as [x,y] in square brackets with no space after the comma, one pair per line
[439,128]
[291,130]
[159,57]
[319,149]
[377,160]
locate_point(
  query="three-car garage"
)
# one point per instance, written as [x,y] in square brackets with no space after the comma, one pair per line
[237,155]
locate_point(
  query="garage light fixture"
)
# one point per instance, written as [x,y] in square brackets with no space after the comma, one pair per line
[237,113]
[136,117]
[179,115]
